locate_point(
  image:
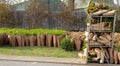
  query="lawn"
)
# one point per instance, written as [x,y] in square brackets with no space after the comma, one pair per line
[37,51]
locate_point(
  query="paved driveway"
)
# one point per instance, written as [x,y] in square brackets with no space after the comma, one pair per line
[19,63]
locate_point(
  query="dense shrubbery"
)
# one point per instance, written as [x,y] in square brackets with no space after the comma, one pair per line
[16,31]
[67,45]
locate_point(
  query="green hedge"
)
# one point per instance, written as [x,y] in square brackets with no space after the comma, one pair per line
[18,31]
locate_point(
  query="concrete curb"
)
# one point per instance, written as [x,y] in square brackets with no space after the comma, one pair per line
[42,59]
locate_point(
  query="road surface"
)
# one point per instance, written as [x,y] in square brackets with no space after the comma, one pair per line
[19,63]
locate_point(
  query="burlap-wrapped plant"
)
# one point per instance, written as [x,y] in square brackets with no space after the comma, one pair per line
[4,39]
[32,40]
[57,41]
[12,40]
[27,42]
[23,40]
[42,40]
[49,40]
[19,40]
[54,41]
[78,44]
[38,40]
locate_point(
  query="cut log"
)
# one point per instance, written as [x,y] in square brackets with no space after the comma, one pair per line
[102,57]
[104,42]
[100,12]
[116,57]
[110,13]
[91,36]
[107,53]
[92,52]
[94,38]
[104,38]
[98,51]
[111,56]
[119,56]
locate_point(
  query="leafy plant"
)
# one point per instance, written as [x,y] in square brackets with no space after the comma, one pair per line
[95,7]
[67,45]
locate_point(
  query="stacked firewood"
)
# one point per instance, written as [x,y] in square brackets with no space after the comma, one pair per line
[102,23]
[100,55]
[104,39]
[105,53]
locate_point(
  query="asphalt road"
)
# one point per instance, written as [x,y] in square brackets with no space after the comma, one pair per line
[19,63]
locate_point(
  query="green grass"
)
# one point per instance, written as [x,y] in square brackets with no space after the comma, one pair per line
[37,51]
[18,31]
